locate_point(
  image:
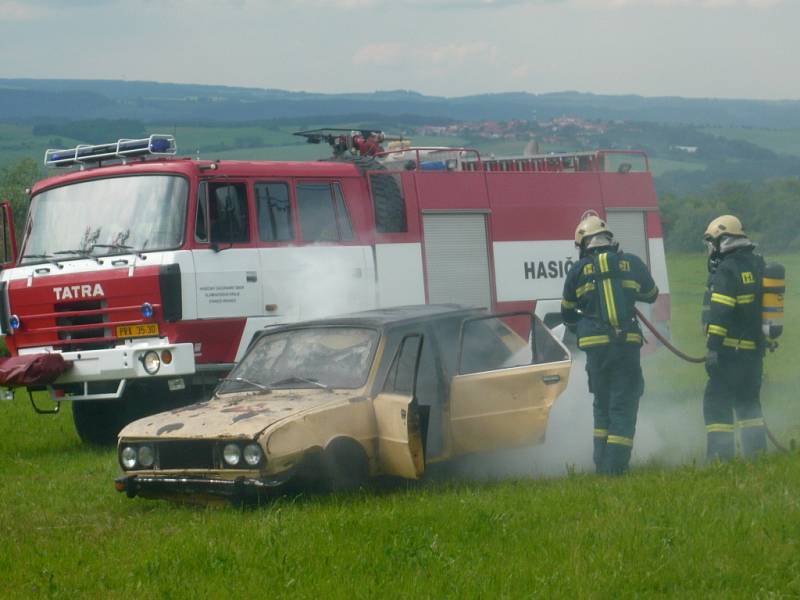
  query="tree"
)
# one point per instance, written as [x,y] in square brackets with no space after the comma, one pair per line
[14,180]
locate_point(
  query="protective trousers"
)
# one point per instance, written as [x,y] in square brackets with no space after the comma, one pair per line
[734,387]
[615,379]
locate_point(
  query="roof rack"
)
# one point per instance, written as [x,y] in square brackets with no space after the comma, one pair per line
[155,145]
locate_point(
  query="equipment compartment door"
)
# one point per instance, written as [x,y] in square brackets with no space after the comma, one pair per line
[630,230]
[457,258]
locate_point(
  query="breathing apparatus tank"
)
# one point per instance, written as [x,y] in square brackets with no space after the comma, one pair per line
[773,287]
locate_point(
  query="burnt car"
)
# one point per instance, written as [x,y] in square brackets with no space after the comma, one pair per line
[382,392]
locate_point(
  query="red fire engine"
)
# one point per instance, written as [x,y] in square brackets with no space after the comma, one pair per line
[150,274]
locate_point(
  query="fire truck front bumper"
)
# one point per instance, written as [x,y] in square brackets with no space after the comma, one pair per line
[145,359]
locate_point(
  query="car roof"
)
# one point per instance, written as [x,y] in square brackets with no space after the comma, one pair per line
[386,318]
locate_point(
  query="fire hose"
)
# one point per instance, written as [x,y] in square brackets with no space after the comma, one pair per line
[697,360]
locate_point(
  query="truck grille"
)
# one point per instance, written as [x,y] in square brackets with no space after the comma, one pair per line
[81,337]
[186,454]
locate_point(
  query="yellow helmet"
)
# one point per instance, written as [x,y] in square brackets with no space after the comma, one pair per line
[589,226]
[724,225]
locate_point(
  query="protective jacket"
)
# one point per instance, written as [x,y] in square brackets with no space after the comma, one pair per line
[733,327]
[733,321]
[600,293]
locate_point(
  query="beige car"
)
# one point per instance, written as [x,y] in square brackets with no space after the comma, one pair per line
[339,400]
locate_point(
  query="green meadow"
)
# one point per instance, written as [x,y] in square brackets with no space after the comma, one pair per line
[691,530]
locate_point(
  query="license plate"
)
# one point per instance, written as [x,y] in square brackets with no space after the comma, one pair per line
[131,331]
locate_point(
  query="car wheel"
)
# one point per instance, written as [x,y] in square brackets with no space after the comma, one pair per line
[345,465]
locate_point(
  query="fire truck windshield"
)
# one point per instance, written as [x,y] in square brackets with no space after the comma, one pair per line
[106,216]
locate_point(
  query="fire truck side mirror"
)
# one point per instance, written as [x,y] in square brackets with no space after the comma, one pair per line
[8,239]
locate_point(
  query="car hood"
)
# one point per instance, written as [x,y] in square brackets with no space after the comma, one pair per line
[234,415]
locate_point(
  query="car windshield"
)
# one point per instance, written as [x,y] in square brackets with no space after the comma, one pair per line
[106,216]
[318,357]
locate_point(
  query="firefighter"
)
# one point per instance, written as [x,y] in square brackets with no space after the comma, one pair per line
[734,340]
[600,293]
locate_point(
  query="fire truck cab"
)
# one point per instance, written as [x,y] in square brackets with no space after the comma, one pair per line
[152,274]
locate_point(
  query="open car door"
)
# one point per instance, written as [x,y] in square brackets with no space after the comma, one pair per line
[400,450]
[506,382]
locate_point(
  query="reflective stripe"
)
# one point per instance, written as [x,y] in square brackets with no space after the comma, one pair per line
[720,428]
[620,440]
[593,340]
[651,294]
[631,284]
[759,422]
[588,269]
[636,338]
[717,330]
[608,292]
[723,299]
[601,433]
[746,299]
[739,344]
[586,287]
[568,304]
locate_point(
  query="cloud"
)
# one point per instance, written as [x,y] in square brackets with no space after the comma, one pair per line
[615,4]
[13,10]
[446,55]
[430,4]
[32,10]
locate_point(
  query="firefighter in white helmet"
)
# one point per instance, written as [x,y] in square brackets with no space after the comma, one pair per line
[732,321]
[600,293]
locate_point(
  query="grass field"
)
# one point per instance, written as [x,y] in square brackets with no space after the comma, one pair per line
[692,531]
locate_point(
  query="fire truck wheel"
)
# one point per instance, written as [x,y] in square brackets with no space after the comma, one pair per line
[98,422]
[345,465]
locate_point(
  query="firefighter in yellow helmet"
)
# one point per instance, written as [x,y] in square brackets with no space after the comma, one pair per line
[600,293]
[732,322]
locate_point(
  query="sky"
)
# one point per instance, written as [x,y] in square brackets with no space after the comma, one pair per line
[691,48]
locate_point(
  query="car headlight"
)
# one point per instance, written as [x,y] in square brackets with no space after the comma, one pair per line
[151,362]
[128,457]
[146,456]
[252,454]
[232,454]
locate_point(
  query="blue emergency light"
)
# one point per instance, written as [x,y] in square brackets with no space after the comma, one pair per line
[155,145]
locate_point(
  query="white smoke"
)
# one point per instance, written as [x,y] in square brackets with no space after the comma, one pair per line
[669,432]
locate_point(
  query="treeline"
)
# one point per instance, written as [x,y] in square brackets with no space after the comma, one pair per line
[769,210]
[91,130]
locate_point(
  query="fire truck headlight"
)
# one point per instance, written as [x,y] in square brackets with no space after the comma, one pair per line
[128,457]
[146,456]
[15,322]
[151,362]
[232,454]
[147,310]
[252,454]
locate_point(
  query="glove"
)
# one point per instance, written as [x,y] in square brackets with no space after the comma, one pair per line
[712,361]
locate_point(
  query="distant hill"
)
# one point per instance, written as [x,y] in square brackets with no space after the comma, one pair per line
[43,99]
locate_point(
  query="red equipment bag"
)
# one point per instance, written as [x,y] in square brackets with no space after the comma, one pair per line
[32,369]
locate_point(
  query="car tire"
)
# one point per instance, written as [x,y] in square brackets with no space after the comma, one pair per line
[345,465]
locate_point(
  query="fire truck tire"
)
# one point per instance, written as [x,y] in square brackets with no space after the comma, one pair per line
[345,465]
[98,422]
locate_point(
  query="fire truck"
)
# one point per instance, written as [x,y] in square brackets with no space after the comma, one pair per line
[150,274]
